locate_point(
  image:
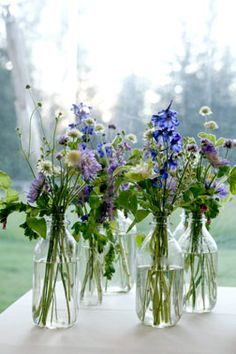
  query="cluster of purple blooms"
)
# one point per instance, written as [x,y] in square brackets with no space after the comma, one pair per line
[168,139]
[209,151]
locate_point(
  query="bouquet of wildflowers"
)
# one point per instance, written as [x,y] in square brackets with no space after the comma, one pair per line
[97,207]
[160,180]
[64,170]
[211,182]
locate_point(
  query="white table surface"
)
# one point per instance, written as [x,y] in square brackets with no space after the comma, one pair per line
[113,328]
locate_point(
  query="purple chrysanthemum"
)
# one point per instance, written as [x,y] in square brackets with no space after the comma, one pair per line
[36,188]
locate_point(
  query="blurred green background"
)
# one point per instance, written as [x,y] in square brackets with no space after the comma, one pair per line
[16,253]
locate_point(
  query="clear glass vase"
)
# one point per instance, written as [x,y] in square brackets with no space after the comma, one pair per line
[159,286]
[55,285]
[200,266]
[90,273]
[182,226]
[125,253]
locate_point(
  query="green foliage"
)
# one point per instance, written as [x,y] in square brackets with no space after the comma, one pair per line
[139,216]
[37,225]
[232,180]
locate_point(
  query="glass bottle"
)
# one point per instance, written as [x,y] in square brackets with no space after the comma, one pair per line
[125,253]
[200,266]
[55,287]
[90,273]
[159,286]
[182,226]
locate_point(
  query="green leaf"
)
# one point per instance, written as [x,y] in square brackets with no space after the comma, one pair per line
[94,201]
[220,142]
[223,170]
[140,215]
[5,180]
[210,137]
[232,180]
[127,200]
[11,196]
[38,225]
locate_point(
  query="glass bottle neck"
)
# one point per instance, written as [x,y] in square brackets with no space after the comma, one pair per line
[56,224]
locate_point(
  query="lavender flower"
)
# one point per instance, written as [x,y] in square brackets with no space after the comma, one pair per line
[36,188]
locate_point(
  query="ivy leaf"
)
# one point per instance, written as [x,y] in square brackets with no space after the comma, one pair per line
[5,180]
[38,225]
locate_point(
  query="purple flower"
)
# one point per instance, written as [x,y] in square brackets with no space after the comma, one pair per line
[192,148]
[36,188]
[207,147]
[176,142]
[127,146]
[72,125]
[228,143]
[86,193]
[125,187]
[166,118]
[209,151]
[153,154]
[222,191]
[165,134]
[113,165]
[100,150]
[108,150]
[63,140]
[111,126]
[88,129]
[81,111]
[88,164]
[59,156]
[84,217]
[172,163]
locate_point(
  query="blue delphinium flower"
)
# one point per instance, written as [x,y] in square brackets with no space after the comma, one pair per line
[166,118]
[172,163]
[81,111]
[176,142]
[100,150]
